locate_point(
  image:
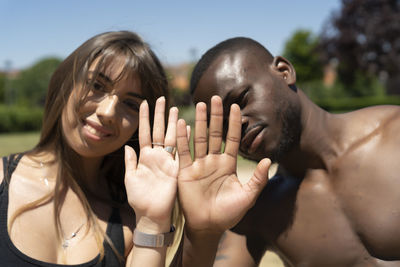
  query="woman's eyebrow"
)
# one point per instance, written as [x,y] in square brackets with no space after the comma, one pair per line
[102,75]
[108,80]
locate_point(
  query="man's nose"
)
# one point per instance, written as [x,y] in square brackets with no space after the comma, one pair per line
[107,108]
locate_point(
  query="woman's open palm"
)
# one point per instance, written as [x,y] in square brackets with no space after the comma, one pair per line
[151,183]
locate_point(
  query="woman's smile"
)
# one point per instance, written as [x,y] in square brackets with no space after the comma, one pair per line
[95,131]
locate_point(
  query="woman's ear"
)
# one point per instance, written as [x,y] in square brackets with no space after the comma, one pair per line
[282,67]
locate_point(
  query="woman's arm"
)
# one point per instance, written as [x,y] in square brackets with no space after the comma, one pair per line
[148,256]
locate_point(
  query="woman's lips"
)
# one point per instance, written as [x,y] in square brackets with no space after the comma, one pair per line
[252,139]
[95,131]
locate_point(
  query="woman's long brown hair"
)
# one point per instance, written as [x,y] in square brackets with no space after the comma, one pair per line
[70,78]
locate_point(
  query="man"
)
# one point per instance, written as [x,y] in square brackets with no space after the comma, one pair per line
[335,199]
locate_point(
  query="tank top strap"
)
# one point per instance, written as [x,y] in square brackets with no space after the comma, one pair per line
[115,233]
[9,165]
[4,167]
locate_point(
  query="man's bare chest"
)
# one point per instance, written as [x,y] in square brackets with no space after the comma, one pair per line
[349,217]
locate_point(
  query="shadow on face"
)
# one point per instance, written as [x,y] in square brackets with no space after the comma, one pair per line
[260,86]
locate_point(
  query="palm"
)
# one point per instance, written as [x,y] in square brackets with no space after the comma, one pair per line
[151,183]
[210,193]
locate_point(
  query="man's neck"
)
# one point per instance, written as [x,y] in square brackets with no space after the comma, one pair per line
[318,142]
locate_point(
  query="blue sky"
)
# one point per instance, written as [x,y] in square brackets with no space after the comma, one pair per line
[33,29]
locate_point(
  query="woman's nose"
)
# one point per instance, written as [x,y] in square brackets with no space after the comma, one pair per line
[107,107]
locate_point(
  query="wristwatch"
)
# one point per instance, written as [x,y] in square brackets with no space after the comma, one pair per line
[153,240]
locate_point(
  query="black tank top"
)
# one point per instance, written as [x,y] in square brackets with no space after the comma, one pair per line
[10,256]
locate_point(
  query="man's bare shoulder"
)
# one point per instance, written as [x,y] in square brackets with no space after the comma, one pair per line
[375,120]
[390,124]
[382,113]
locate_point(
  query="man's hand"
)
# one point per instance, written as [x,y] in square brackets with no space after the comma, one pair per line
[210,193]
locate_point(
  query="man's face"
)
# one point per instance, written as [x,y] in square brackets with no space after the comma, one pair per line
[270,109]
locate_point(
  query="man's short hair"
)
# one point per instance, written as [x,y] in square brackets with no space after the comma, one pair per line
[227,46]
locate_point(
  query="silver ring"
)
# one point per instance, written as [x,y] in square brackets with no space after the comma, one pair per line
[157,144]
[170,149]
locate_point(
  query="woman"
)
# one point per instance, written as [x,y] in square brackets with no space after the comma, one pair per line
[65,201]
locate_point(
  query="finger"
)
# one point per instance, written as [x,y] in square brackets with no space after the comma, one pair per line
[215,130]
[130,159]
[170,136]
[259,179]
[185,159]
[200,131]
[144,125]
[159,122]
[188,131]
[234,131]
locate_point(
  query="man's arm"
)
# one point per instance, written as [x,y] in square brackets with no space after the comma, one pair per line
[232,251]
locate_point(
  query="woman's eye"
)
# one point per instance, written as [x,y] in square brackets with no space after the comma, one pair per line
[97,86]
[132,105]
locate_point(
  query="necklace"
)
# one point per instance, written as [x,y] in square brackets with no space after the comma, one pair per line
[44,179]
[66,241]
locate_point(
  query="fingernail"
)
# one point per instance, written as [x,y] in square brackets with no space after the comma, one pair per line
[128,152]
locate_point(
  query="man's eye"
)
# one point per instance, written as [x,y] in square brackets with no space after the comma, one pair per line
[243,98]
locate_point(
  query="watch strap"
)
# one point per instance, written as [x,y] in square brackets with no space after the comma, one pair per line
[153,240]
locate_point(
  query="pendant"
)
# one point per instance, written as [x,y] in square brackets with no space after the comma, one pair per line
[65,244]
[66,241]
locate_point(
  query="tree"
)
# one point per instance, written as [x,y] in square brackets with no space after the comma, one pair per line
[3,80]
[301,51]
[31,84]
[365,38]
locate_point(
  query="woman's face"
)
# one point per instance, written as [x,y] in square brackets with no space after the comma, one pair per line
[108,117]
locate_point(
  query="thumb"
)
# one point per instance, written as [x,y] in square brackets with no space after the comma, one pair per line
[130,159]
[259,179]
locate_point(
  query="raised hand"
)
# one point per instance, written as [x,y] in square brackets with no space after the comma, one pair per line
[210,193]
[151,184]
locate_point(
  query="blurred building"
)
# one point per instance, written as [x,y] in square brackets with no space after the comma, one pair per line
[179,76]
[330,73]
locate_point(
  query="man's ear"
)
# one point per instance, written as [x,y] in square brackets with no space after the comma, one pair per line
[282,67]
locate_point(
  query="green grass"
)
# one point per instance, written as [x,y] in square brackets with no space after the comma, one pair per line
[17,142]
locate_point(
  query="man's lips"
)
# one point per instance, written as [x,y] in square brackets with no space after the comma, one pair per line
[252,137]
